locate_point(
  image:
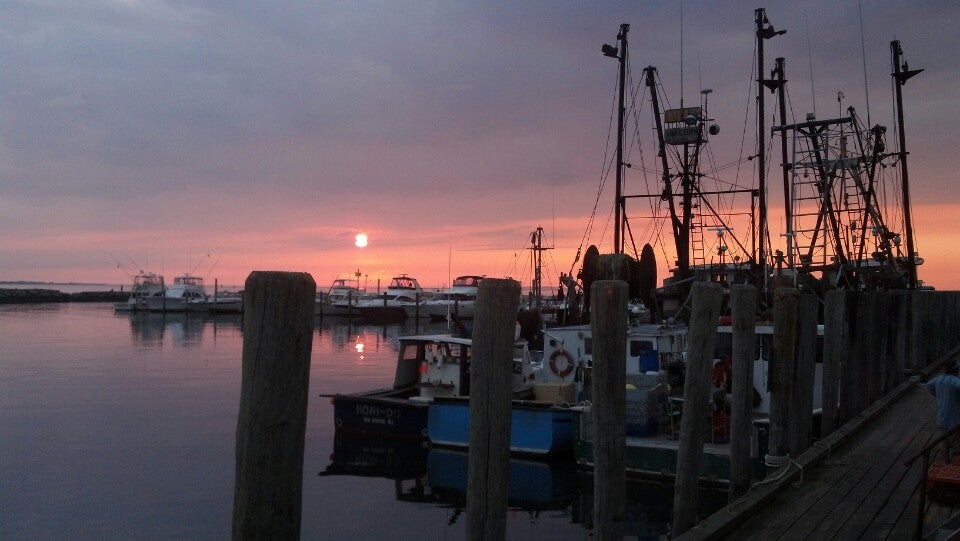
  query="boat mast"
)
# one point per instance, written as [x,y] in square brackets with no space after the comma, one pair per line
[620,53]
[900,76]
[780,81]
[765,31]
[536,254]
[680,235]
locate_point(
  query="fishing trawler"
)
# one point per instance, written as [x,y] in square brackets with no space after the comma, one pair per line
[839,232]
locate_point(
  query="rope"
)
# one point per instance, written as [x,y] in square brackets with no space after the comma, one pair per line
[581,404]
[776,461]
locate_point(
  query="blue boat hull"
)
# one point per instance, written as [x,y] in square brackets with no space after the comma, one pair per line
[536,429]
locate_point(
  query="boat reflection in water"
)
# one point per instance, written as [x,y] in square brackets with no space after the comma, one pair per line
[425,474]
[438,476]
[183,329]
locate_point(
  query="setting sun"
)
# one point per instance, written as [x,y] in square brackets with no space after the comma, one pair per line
[361,240]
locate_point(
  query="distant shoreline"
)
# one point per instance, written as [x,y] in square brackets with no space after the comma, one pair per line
[38,295]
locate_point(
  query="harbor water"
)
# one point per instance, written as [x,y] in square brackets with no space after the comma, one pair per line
[122,426]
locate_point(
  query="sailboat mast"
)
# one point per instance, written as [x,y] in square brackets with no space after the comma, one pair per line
[621,112]
[900,77]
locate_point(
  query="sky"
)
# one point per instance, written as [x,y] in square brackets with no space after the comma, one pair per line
[223,137]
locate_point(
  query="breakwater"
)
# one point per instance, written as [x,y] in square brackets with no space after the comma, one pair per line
[29,296]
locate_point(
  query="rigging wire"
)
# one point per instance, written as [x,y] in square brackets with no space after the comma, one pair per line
[604,175]
[746,120]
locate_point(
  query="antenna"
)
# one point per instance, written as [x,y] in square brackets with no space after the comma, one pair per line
[681,54]
[813,95]
[863,55]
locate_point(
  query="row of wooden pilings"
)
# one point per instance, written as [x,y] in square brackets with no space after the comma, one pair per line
[271,425]
[870,340]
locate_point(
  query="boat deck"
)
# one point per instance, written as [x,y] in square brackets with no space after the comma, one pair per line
[860,490]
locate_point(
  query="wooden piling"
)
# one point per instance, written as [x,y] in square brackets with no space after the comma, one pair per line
[917,360]
[783,368]
[802,406]
[743,309]
[860,355]
[491,372]
[706,299]
[850,369]
[608,306]
[901,347]
[873,319]
[277,341]
[832,332]
[887,328]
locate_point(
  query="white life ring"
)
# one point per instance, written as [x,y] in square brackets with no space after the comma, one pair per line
[567,363]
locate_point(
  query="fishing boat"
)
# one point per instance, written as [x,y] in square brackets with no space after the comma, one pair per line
[402,291]
[457,300]
[541,422]
[655,369]
[185,295]
[839,235]
[428,367]
[341,298]
[145,284]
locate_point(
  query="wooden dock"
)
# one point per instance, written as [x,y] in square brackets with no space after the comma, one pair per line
[854,484]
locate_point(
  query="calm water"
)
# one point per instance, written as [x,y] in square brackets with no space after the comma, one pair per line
[117,426]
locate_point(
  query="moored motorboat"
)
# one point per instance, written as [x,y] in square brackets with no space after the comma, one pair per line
[340,300]
[401,410]
[434,370]
[391,305]
[145,284]
[540,418]
[185,295]
[457,300]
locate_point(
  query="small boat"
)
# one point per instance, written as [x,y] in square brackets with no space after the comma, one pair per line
[403,291]
[434,370]
[401,410]
[225,303]
[457,300]
[145,284]
[185,295]
[340,300]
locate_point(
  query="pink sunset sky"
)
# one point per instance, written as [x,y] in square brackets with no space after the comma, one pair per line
[218,138]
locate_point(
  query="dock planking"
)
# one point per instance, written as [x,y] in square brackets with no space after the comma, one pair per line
[862,490]
[857,471]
